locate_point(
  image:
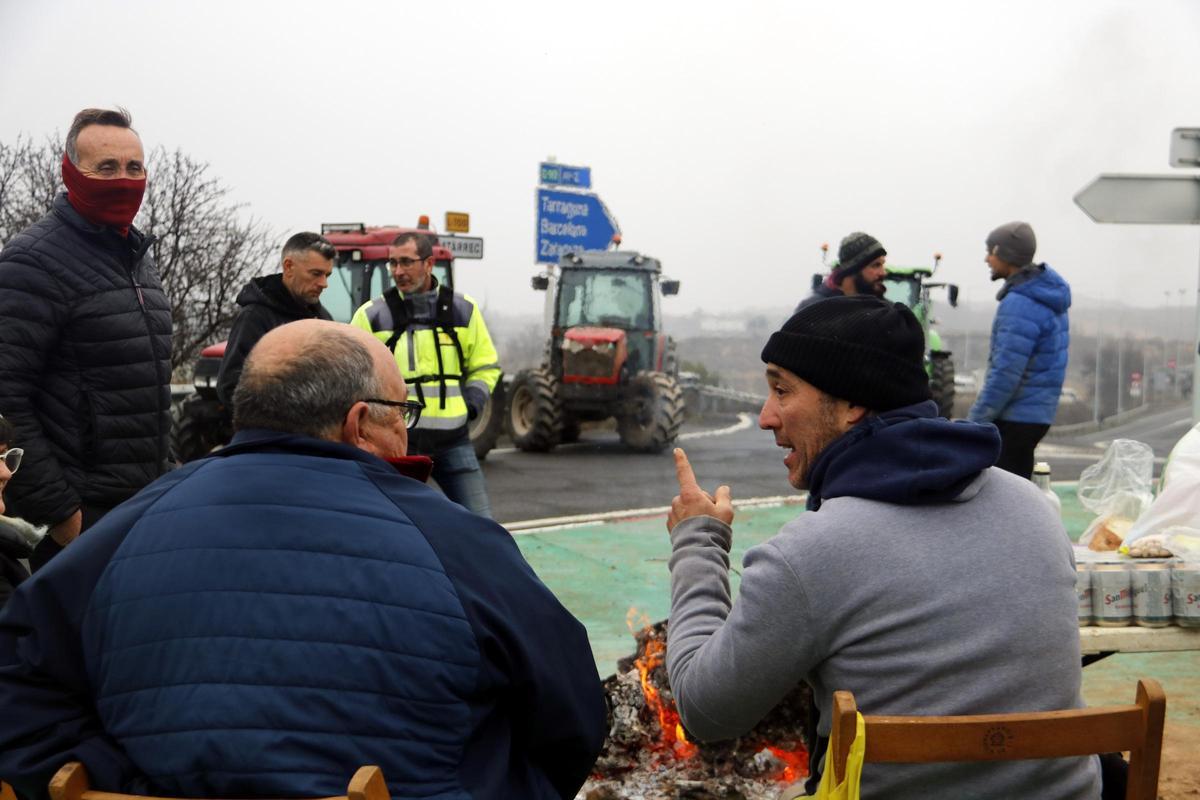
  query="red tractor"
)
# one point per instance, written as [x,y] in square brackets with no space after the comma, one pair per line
[360,273]
[607,356]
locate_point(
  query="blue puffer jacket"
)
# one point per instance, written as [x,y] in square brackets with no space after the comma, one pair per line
[1028,358]
[263,622]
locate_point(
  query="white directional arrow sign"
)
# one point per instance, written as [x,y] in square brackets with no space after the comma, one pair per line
[1145,199]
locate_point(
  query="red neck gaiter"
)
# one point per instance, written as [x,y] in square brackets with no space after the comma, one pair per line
[416,467]
[103,202]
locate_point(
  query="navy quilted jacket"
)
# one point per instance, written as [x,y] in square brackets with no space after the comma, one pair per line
[263,622]
[85,364]
[1028,358]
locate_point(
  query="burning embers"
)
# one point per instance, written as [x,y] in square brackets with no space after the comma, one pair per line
[648,755]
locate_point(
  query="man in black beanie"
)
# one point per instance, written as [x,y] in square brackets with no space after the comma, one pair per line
[920,578]
[1027,362]
[859,270]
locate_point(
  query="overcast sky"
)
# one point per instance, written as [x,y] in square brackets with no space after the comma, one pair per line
[729,139]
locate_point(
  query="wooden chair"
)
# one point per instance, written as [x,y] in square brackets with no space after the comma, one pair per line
[71,783]
[1136,728]
[6,792]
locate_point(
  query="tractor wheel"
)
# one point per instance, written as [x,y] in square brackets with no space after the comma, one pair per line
[535,414]
[198,427]
[485,429]
[657,412]
[941,382]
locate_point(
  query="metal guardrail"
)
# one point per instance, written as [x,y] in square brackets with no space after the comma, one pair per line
[709,399]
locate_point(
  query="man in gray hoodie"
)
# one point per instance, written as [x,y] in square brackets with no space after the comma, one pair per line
[921,579]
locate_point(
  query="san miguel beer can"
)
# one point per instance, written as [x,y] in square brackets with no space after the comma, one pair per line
[1151,585]
[1112,590]
[1185,594]
[1083,592]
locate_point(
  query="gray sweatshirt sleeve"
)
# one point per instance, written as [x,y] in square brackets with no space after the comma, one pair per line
[731,664]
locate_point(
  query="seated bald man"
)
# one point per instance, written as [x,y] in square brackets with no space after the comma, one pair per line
[262,622]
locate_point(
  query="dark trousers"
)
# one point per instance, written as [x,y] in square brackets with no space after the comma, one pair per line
[47,548]
[1017,443]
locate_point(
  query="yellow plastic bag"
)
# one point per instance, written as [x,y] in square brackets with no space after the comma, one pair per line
[848,789]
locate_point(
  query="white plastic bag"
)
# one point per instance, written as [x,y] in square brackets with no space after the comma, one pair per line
[1178,504]
[1117,489]
[1183,542]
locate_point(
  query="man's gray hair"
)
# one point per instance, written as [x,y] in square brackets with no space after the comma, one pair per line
[95,116]
[309,393]
[305,241]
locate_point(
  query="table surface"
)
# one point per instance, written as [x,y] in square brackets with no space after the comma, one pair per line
[1136,639]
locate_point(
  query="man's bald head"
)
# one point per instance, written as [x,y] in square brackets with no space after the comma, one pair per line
[304,376]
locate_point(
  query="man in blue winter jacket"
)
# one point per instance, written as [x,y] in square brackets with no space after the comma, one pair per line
[262,622]
[1028,358]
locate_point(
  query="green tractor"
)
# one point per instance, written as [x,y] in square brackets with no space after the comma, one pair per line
[912,287]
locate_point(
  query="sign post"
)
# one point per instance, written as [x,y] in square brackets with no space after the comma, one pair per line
[1153,200]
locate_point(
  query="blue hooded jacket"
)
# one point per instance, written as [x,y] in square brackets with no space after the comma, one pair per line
[263,622]
[907,456]
[1028,358]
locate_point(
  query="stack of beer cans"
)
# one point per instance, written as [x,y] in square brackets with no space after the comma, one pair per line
[1116,591]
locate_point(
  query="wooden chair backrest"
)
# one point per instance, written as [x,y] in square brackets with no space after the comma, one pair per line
[6,792]
[1137,728]
[71,783]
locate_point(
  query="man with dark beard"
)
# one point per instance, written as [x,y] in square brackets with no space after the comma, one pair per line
[859,270]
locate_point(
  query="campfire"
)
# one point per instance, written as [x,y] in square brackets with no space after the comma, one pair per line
[649,756]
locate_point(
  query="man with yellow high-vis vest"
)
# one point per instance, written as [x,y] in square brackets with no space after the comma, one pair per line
[448,360]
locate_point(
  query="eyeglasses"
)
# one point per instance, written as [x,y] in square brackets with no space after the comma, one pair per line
[12,458]
[404,261]
[412,409]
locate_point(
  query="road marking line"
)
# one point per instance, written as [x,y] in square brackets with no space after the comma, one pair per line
[745,420]
[581,520]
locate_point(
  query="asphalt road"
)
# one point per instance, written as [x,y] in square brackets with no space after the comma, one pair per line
[598,474]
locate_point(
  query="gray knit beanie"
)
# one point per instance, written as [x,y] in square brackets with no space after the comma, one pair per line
[854,254]
[1013,243]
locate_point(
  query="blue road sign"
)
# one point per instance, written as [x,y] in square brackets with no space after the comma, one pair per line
[562,175]
[568,222]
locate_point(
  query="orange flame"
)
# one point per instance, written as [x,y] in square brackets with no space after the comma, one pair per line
[668,718]
[673,737]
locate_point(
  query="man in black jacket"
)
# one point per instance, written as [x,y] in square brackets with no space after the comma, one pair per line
[859,270]
[85,344]
[274,300]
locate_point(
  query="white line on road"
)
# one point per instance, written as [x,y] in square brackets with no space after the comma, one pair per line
[744,421]
[580,520]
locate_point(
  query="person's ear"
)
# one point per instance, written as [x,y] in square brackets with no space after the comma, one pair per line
[353,424]
[852,415]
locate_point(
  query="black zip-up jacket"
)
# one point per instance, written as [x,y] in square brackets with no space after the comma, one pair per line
[85,364]
[266,304]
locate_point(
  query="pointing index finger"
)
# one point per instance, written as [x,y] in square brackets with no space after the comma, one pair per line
[683,470]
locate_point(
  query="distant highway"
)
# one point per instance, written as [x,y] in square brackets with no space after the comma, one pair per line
[598,475]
